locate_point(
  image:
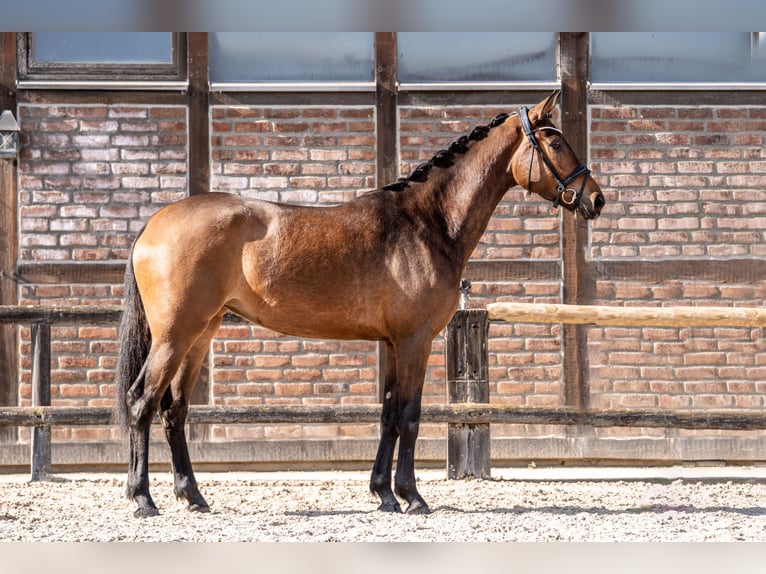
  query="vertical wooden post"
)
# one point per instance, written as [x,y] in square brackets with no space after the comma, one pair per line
[9,226]
[41,397]
[386,135]
[467,360]
[199,177]
[573,55]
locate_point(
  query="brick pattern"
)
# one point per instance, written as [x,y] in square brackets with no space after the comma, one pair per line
[681,368]
[312,155]
[523,226]
[680,181]
[90,175]
[83,357]
[307,156]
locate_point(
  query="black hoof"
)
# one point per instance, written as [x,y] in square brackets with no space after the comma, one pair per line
[390,507]
[418,507]
[198,508]
[146,512]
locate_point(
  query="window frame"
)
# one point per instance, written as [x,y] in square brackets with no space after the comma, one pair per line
[707,86]
[102,74]
[293,86]
[486,86]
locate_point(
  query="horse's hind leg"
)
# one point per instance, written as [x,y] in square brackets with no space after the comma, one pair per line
[173,410]
[137,487]
[143,398]
[380,482]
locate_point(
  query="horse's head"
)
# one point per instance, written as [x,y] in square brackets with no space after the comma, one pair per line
[544,163]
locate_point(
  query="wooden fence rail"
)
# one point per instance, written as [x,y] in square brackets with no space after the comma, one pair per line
[455,413]
[629,316]
[468,413]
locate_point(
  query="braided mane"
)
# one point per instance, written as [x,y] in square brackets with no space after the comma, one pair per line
[446,157]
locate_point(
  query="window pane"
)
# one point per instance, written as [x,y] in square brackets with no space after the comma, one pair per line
[292,57]
[676,57]
[103,47]
[477,57]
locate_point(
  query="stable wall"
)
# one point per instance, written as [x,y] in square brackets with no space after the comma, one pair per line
[684,224]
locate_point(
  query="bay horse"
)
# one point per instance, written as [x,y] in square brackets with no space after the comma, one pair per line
[385,266]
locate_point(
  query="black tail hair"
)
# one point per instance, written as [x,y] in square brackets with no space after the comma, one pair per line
[135,340]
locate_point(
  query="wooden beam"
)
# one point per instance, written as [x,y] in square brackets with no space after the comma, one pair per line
[41,397]
[466,357]
[731,419]
[701,269]
[9,370]
[387,145]
[573,58]
[629,316]
[199,113]
[84,272]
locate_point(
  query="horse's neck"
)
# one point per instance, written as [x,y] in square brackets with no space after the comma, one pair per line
[467,193]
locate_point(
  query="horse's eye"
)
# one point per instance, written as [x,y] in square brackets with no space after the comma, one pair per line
[556,145]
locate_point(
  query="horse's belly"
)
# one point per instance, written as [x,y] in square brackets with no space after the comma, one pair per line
[313,321]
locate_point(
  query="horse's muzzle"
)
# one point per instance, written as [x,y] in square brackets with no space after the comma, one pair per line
[591,205]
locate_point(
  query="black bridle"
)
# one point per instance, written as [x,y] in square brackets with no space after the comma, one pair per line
[563,182]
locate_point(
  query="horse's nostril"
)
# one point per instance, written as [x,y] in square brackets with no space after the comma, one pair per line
[598,203]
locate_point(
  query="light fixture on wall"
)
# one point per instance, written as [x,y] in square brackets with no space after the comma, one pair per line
[9,135]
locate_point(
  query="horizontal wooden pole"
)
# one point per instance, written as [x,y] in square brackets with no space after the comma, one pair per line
[628,316]
[78,314]
[457,413]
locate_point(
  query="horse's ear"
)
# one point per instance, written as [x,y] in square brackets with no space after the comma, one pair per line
[545,107]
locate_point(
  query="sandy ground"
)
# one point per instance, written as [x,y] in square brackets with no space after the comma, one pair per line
[515,506]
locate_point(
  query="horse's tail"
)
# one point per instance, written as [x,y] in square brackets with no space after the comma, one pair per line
[135,340]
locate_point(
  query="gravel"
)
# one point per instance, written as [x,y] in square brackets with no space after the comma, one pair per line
[323,507]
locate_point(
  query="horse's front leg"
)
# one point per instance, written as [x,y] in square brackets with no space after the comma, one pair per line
[380,482]
[411,369]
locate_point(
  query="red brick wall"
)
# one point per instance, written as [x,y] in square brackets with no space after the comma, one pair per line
[683,183]
[311,155]
[680,182]
[90,174]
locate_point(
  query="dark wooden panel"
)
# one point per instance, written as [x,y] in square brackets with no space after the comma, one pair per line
[284,97]
[105,97]
[506,270]
[8,236]
[727,97]
[745,419]
[511,99]
[714,270]
[58,273]
[199,114]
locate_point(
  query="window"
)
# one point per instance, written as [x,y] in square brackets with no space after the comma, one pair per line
[292,57]
[101,56]
[678,57]
[449,57]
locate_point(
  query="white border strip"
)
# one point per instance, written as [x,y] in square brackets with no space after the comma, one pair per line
[101,85]
[292,86]
[476,86]
[676,86]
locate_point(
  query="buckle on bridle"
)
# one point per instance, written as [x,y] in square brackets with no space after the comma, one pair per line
[563,183]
